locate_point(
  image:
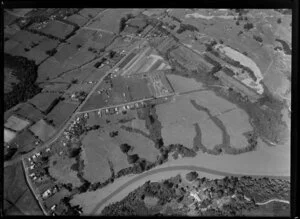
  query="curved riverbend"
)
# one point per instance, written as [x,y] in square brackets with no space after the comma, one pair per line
[172,168]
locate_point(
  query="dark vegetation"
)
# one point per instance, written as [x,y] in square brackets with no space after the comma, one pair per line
[123,22]
[184,27]
[287,50]
[26,72]
[248,26]
[258,38]
[173,190]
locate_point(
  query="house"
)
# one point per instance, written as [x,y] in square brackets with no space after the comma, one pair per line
[46,193]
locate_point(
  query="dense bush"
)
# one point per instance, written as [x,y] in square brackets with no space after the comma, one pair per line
[132,158]
[26,72]
[248,26]
[125,148]
[184,27]
[191,176]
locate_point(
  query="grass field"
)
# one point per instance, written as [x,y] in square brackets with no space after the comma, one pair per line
[43,130]
[61,170]
[236,122]
[16,123]
[44,100]
[90,12]
[109,20]
[181,84]
[17,196]
[77,19]
[61,112]
[28,111]
[25,140]
[142,146]
[99,149]
[57,29]
[8,135]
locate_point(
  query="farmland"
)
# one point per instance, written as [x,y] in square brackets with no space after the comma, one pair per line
[44,101]
[43,130]
[18,198]
[60,113]
[87,140]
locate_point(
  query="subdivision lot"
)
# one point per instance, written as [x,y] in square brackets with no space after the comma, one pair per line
[43,130]
[43,101]
[57,29]
[60,169]
[26,110]
[55,199]
[61,113]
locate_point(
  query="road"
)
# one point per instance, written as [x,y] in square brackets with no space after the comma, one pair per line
[98,29]
[273,200]
[172,168]
[28,181]
[54,138]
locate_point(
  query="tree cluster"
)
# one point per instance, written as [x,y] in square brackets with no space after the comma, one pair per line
[184,27]
[26,73]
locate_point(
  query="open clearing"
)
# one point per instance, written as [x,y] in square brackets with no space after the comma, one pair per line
[181,84]
[62,170]
[142,146]
[110,19]
[43,101]
[237,123]
[61,112]
[29,112]
[16,123]
[43,130]
[179,116]
[57,29]
[99,149]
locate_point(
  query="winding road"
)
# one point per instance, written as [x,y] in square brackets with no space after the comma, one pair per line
[172,168]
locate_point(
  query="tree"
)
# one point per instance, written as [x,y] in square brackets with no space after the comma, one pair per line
[132,158]
[125,148]
[51,52]
[248,26]
[191,176]
[278,20]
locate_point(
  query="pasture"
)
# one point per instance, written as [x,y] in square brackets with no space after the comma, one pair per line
[25,141]
[8,135]
[43,130]
[110,19]
[26,110]
[99,150]
[142,146]
[77,19]
[90,12]
[60,169]
[57,29]
[237,123]
[16,123]
[61,113]
[43,101]
[182,84]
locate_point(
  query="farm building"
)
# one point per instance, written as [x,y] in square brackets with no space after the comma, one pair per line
[43,130]
[236,85]
[15,123]
[8,135]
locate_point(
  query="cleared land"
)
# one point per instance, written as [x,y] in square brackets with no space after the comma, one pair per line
[57,29]
[181,84]
[8,135]
[60,169]
[43,130]
[99,149]
[61,112]
[28,111]
[237,123]
[17,196]
[16,123]
[43,101]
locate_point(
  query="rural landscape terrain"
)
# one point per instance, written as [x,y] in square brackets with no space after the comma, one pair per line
[133,111]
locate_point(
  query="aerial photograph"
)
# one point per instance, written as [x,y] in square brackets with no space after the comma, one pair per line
[147,112]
